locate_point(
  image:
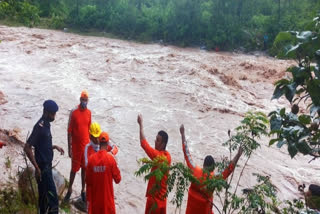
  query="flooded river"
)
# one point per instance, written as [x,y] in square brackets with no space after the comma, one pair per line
[208,92]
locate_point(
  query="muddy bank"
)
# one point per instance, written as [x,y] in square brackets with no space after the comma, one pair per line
[207,91]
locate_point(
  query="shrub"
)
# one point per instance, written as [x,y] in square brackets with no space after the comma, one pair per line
[57,22]
[5,10]
[28,14]
[281,44]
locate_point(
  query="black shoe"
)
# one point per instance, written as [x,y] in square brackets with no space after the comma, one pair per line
[67,197]
[80,205]
[83,196]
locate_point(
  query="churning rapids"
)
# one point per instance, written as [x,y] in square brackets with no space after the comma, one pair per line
[208,92]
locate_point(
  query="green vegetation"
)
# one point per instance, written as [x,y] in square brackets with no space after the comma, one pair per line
[217,24]
[14,199]
[299,129]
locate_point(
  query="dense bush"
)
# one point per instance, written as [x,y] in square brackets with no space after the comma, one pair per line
[57,22]
[5,10]
[28,14]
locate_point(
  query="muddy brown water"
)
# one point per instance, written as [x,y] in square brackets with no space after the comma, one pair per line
[208,92]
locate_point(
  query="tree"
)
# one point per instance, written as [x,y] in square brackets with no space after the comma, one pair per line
[299,129]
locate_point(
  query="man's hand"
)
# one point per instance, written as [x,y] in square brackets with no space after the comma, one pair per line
[59,149]
[182,129]
[140,121]
[2,144]
[38,174]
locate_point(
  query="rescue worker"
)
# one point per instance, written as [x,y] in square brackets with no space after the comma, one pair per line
[199,200]
[159,150]
[2,144]
[41,140]
[93,146]
[78,138]
[101,171]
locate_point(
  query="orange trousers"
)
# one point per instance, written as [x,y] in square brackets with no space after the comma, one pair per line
[161,206]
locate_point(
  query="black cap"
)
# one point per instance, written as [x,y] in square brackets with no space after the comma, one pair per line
[50,106]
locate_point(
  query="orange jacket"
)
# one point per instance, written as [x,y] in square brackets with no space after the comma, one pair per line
[153,153]
[199,200]
[78,127]
[102,169]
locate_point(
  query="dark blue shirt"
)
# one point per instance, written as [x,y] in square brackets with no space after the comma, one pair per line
[41,140]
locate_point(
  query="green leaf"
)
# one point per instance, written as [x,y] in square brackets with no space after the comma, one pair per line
[303,147]
[299,74]
[305,119]
[272,113]
[314,109]
[292,150]
[291,91]
[313,88]
[304,35]
[278,92]
[293,48]
[271,142]
[275,123]
[283,112]
[281,143]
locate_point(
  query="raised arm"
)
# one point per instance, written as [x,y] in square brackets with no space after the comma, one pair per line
[233,164]
[151,152]
[187,155]
[140,122]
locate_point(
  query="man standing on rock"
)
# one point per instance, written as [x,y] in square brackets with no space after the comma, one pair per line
[41,140]
[156,203]
[78,138]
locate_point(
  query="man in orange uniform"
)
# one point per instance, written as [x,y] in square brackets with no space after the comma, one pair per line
[102,169]
[93,146]
[78,138]
[199,200]
[159,150]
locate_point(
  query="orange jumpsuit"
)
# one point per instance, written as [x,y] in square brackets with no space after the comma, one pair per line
[158,197]
[78,127]
[102,169]
[199,200]
[91,149]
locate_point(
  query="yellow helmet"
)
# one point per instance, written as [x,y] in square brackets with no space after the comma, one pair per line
[95,129]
